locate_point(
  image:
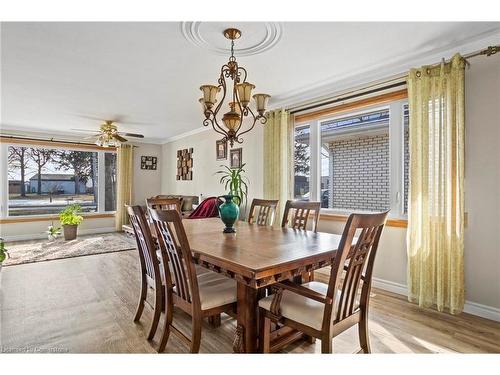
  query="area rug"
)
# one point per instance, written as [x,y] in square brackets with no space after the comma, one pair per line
[40,250]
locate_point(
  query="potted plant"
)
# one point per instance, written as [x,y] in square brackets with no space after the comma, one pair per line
[236,185]
[70,220]
[4,254]
[53,232]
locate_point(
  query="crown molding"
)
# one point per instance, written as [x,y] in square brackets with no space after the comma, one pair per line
[185,134]
[334,85]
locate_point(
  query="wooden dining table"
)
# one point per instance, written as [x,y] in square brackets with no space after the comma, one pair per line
[256,257]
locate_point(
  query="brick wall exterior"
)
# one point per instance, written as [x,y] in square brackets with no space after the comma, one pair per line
[360,173]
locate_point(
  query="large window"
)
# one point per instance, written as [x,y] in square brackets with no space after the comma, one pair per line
[43,180]
[357,160]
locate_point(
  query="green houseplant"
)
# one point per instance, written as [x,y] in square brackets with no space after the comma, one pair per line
[235,183]
[236,186]
[70,219]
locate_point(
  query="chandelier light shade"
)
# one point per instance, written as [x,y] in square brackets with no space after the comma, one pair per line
[233,86]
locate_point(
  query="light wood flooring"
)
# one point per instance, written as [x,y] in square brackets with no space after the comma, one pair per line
[86,305]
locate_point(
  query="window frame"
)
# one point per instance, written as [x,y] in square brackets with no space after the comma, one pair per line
[396,154]
[4,185]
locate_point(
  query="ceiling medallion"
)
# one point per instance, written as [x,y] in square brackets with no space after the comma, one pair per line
[269,35]
[239,98]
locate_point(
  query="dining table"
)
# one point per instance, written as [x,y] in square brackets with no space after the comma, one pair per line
[257,257]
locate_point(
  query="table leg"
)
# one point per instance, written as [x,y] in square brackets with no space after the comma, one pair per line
[245,340]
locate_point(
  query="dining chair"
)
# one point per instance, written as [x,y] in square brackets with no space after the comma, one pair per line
[266,211]
[199,295]
[150,267]
[297,213]
[295,216]
[164,203]
[325,310]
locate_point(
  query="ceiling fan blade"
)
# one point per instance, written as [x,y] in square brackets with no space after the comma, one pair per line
[101,119]
[119,138]
[85,131]
[91,137]
[133,135]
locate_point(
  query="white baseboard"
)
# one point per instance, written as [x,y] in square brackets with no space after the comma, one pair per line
[37,236]
[473,308]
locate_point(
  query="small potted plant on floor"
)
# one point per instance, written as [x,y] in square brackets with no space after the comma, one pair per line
[3,255]
[70,219]
[53,232]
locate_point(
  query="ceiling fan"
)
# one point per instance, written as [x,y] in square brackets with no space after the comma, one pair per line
[108,135]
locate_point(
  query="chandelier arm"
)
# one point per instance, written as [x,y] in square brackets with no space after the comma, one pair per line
[244,71]
[215,126]
[250,128]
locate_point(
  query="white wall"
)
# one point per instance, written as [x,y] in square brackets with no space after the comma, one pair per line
[482,236]
[205,164]
[147,183]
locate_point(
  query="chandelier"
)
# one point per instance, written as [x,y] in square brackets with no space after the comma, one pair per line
[239,99]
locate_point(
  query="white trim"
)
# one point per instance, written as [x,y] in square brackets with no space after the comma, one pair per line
[473,308]
[36,236]
[331,86]
[185,134]
[390,286]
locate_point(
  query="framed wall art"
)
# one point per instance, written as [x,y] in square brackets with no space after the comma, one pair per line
[185,164]
[235,156]
[149,162]
[221,150]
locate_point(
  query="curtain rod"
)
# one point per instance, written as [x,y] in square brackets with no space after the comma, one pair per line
[489,51]
[51,140]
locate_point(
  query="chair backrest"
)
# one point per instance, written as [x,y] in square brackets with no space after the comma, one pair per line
[297,214]
[266,211]
[360,253]
[145,243]
[174,244]
[158,203]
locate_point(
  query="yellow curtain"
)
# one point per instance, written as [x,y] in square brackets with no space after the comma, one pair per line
[125,167]
[278,159]
[436,199]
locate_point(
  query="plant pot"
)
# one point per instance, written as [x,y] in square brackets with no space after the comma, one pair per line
[70,232]
[229,213]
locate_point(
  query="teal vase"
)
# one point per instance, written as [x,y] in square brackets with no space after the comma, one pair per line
[229,212]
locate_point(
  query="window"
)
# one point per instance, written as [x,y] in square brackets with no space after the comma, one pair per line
[43,180]
[362,159]
[302,163]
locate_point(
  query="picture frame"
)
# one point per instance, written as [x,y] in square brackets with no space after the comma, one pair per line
[235,157]
[221,150]
[149,162]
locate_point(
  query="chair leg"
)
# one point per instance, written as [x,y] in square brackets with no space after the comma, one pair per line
[264,332]
[142,298]
[169,314]
[214,321]
[326,345]
[196,335]
[156,314]
[364,336]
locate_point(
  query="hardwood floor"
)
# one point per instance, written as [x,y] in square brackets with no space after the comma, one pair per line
[86,305]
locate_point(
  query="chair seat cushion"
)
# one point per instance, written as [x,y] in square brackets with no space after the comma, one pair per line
[300,309]
[215,290]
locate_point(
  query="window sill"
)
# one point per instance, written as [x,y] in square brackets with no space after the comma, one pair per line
[28,219]
[331,216]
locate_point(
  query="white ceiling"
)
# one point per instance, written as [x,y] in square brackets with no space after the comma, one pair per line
[56,75]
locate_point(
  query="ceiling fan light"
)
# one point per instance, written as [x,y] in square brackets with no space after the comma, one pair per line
[261,102]
[245,92]
[231,120]
[209,94]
